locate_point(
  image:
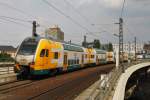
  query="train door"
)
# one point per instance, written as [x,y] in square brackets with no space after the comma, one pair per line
[44,57]
[65,60]
[82,59]
[97,61]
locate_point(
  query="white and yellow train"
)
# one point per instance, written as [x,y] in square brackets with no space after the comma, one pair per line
[39,56]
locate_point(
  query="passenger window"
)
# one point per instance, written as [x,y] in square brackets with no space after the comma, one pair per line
[77,61]
[47,52]
[68,62]
[42,53]
[85,55]
[56,55]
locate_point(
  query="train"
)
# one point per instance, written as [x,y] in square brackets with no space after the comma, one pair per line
[42,56]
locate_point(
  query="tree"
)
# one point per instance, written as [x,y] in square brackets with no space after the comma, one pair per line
[96,44]
[110,46]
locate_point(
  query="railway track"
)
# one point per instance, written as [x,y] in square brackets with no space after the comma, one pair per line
[12,86]
[71,82]
[65,86]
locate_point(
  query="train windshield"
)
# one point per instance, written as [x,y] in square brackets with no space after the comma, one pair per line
[28,48]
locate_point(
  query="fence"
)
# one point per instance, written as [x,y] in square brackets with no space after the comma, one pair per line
[106,86]
[6,68]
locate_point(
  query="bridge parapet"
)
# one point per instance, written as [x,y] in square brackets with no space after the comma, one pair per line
[112,86]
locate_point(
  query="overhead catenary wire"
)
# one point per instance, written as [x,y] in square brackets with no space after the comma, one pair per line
[8,20]
[67,16]
[16,9]
[16,19]
[79,13]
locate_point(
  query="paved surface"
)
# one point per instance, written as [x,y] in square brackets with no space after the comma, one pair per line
[61,87]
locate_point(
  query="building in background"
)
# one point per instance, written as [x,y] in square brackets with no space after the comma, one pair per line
[147,48]
[55,33]
[8,50]
[130,48]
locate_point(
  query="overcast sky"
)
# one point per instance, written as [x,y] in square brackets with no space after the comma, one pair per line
[102,13]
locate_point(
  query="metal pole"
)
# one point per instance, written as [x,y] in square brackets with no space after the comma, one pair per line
[129,60]
[121,42]
[34,29]
[129,49]
[135,47]
[85,43]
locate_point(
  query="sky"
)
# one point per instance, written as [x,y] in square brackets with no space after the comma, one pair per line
[76,18]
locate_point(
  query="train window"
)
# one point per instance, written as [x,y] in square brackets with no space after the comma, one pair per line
[47,52]
[77,61]
[42,53]
[85,55]
[56,55]
[92,56]
[72,62]
[68,62]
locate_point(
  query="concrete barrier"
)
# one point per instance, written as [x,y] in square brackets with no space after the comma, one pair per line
[121,85]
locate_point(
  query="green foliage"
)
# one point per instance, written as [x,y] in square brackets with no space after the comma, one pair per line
[108,47]
[97,44]
[4,57]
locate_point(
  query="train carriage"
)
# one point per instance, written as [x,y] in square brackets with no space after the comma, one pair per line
[40,56]
[43,56]
[100,57]
[73,56]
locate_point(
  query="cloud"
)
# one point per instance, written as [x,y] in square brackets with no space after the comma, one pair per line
[112,3]
[106,3]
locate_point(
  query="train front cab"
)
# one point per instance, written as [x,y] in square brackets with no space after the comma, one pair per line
[45,59]
[48,58]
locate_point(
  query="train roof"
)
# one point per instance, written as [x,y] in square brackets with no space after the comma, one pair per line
[67,46]
[100,51]
[72,47]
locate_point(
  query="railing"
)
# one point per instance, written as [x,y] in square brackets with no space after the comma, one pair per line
[106,86]
[6,68]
